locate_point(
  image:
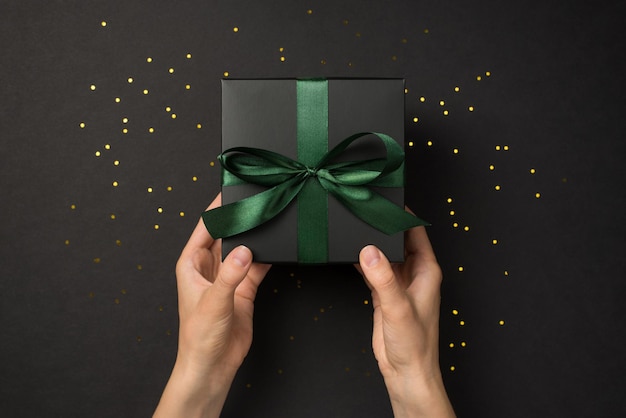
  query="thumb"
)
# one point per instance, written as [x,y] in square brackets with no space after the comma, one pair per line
[381,278]
[233,270]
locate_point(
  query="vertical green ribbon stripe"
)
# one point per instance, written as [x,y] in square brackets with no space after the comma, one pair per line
[312,140]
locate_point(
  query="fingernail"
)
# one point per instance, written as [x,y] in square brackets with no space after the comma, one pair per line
[242,256]
[371,256]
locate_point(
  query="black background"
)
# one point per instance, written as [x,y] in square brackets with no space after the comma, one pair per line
[88,303]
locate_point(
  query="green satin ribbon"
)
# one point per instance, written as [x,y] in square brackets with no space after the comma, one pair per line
[310,180]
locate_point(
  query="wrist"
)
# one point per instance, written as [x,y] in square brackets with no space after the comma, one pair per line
[418,396]
[194,391]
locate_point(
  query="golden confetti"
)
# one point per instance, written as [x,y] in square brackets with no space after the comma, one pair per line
[130,80]
[188,56]
[225,73]
[171,70]
[415,120]
[117,100]
[455,312]
[457,89]
[532,171]
[537,195]
[449,200]
[429,143]
[492,167]
[410,143]
[92,87]
[112,216]
[461,268]
[148,59]
[156,226]
[103,23]
[494,241]
[82,125]
[501,322]
[235,29]
[422,99]
[497,187]
[199,126]
[471,108]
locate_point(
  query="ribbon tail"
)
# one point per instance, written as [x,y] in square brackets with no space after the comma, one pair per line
[246,214]
[374,209]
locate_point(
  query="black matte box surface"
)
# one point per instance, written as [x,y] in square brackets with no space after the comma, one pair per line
[262,114]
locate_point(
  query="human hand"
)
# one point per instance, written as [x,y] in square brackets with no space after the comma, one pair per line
[216,303]
[405,339]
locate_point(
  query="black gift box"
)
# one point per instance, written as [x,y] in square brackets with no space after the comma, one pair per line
[262,114]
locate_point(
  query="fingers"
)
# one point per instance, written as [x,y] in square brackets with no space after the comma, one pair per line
[200,238]
[232,272]
[416,243]
[380,276]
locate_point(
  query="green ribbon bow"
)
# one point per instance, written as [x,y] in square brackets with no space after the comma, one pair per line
[347,181]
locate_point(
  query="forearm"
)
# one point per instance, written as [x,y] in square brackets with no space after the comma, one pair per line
[419,397]
[189,394]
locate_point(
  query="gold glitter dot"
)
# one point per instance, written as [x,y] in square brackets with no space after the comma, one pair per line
[130,80]
[445,113]
[148,59]
[125,131]
[115,184]
[235,29]
[366,302]
[188,56]
[455,312]
[225,73]
[67,242]
[194,178]
[107,146]
[415,120]
[478,78]
[532,171]
[455,225]
[452,368]
[125,120]
[151,130]
[466,228]
[160,210]
[394,58]
[119,244]
[501,322]
[461,323]
[429,143]
[103,23]
[497,147]
[451,345]
[116,301]
[488,73]
[449,200]
[282,59]
[92,87]
[139,267]
[212,163]
[463,344]
[441,103]
[188,86]
[461,268]
[160,308]
[457,89]
[426,31]
[345,21]
[494,242]
[97,153]
[156,226]
[451,213]
[168,109]
[281,49]
[182,214]
[349,64]
[145,91]
[506,273]
[406,91]
[97,260]
[149,189]
[112,216]
[82,125]
[170,188]
[422,99]
[497,187]
[173,115]
[171,70]
[309,12]
[471,108]
[506,148]
[117,100]
[537,195]
[323,62]
[199,126]
[492,167]
[410,143]
[72,206]
[456,150]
